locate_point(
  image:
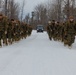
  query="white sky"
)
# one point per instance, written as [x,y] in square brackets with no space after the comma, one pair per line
[30,4]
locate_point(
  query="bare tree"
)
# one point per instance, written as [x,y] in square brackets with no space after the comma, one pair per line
[54,10]
[6,7]
[61,9]
[27,18]
[49,8]
[13,9]
[1,5]
[69,8]
[41,14]
[59,3]
[22,9]
[73,7]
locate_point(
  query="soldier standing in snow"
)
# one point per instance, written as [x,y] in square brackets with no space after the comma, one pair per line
[3,29]
[53,29]
[29,29]
[5,25]
[69,32]
[49,30]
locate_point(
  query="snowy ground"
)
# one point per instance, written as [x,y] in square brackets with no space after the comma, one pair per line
[36,55]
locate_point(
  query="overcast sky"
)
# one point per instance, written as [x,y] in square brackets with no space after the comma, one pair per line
[30,4]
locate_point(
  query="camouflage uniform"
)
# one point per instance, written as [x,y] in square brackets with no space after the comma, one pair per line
[62,35]
[60,32]
[57,31]
[5,23]
[53,29]
[10,31]
[25,30]
[3,29]
[13,31]
[69,32]
[29,30]
[22,30]
[16,32]
[49,30]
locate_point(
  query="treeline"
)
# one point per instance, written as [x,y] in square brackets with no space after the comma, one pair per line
[58,10]
[10,8]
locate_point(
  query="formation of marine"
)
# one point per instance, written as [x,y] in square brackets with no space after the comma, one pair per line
[12,30]
[64,32]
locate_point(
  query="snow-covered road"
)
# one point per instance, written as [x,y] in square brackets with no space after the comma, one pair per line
[36,55]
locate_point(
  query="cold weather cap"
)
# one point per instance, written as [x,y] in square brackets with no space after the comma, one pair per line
[71,17]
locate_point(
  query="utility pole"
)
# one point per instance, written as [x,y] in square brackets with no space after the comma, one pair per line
[32,19]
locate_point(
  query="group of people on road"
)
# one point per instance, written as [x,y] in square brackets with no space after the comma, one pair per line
[64,32]
[12,30]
